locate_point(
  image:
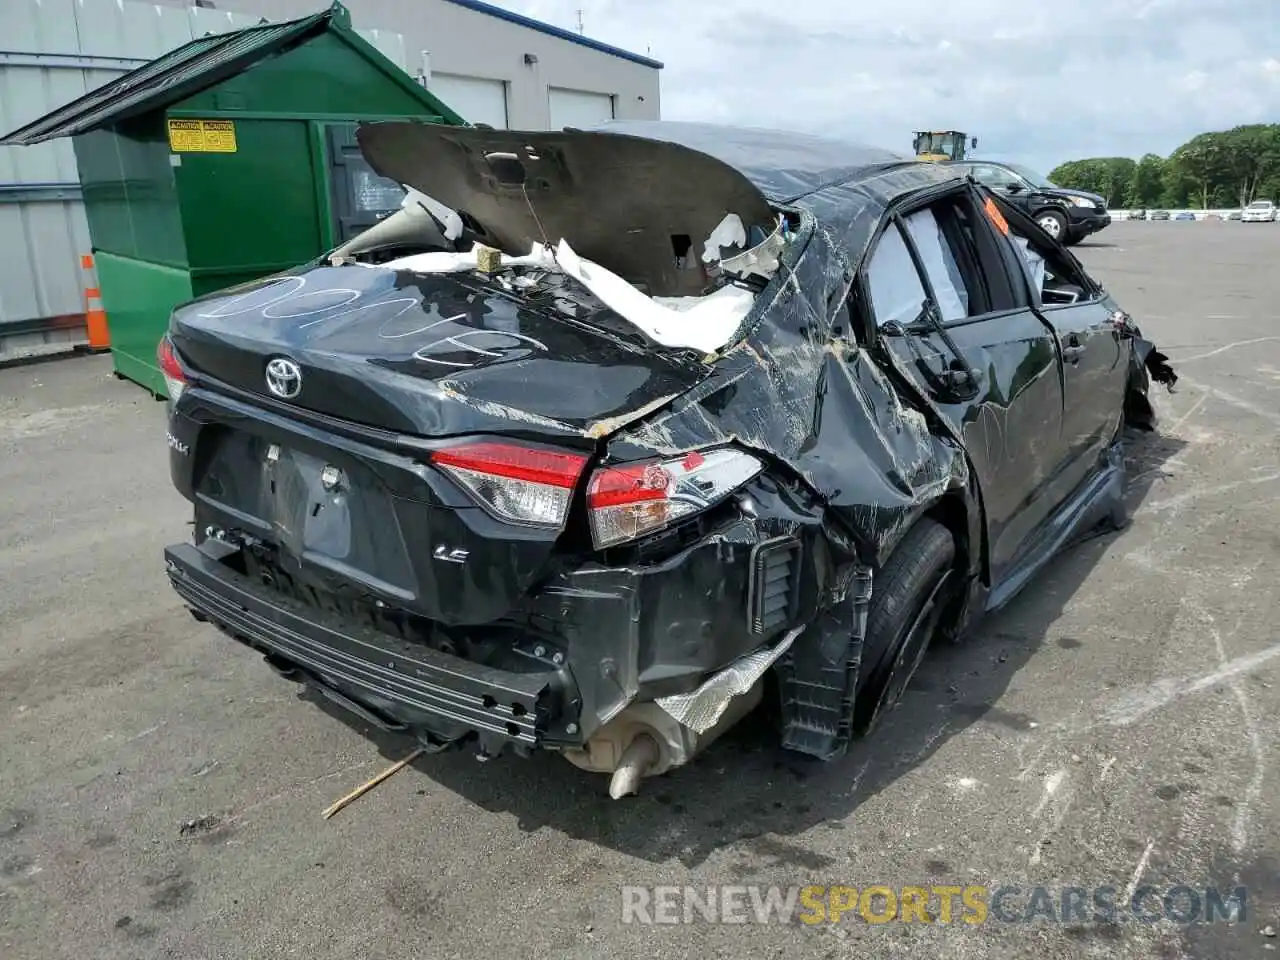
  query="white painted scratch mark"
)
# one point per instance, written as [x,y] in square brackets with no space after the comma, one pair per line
[962,784]
[1181,499]
[1240,827]
[1051,785]
[1190,413]
[1136,704]
[1223,349]
[1035,855]
[853,788]
[1139,871]
[1240,402]
[1107,764]
[144,733]
[1062,798]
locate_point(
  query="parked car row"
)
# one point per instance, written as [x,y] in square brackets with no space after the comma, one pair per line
[1260,211]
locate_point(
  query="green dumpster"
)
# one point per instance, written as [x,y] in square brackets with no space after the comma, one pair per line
[228,159]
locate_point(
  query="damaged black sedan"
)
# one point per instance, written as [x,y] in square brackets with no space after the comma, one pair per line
[605,427]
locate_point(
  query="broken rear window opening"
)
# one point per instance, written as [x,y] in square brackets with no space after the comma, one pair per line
[678,253]
[605,436]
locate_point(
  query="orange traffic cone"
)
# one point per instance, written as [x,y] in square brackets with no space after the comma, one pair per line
[95,318]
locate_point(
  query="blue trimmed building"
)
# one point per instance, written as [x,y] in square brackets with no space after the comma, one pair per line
[495,66]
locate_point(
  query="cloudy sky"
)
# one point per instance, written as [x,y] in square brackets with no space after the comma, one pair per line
[1035,81]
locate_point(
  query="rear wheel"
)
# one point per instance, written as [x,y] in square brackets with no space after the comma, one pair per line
[1053,223]
[908,599]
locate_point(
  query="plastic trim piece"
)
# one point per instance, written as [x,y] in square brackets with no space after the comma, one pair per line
[764,557]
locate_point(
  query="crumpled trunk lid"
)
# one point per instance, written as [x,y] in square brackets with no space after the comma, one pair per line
[643,208]
[431,355]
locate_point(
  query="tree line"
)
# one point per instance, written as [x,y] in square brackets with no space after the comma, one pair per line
[1229,168]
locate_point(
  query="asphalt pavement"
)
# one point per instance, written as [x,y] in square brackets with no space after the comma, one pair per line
[1117,725]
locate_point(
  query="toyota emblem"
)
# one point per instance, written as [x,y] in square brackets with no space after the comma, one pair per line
[284,378]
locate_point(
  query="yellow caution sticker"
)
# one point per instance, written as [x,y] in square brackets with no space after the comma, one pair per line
[202,136]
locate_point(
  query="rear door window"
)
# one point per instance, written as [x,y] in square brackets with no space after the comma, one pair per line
[949,288]
[960,265]
[897,292]
[1049,273]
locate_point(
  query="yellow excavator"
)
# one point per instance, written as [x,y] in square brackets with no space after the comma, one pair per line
[937,145]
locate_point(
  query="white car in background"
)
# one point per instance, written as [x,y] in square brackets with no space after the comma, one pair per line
[1260,211]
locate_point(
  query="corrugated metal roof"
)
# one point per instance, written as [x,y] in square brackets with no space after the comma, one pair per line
[181,73]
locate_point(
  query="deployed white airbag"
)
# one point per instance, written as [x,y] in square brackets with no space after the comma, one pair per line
[696,323]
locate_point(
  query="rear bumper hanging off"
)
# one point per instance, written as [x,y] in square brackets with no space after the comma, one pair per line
[592,641]
[410,684]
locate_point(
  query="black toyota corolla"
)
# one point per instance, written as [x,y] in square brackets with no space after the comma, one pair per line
[604,427]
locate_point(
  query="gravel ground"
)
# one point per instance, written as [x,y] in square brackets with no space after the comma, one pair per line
[161,789]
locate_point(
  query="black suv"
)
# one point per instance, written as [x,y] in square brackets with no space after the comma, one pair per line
[1066,215]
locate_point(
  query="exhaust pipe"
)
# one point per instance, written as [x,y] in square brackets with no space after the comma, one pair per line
[640,755]
[648,739]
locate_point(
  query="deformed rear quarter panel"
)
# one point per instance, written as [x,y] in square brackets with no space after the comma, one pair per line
[799,390]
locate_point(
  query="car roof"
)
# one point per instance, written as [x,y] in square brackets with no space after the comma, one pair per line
[848,187]
[785,166]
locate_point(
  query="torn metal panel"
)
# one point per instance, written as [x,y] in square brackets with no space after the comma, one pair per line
[811,399]
[701,709]
[670,617]
[635,206]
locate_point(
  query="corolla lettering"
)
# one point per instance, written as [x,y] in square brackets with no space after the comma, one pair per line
[176,444]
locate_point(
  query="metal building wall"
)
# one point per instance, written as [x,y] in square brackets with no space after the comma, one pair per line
[51,52]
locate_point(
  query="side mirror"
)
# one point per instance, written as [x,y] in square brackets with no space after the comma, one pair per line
[1013,187]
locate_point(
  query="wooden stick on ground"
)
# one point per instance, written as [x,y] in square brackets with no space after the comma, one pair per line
[364,788]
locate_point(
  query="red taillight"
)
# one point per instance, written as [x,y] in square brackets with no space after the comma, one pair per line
[175,378]
[517,463]
[634,483]
[636,499]
[516,483]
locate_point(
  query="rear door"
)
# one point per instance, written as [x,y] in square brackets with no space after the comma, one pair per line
[992,372]
[1095,360]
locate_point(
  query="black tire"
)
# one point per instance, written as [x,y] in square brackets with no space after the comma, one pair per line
[1057,217]
[907,602]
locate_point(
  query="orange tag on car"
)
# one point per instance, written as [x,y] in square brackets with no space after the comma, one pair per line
[996,217]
